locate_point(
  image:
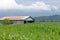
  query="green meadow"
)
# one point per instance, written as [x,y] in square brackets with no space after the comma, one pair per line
[31,31]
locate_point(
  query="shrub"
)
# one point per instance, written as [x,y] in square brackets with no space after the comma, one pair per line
[7,22]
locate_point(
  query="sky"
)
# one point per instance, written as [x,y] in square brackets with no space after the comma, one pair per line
[26,5]
[31,6]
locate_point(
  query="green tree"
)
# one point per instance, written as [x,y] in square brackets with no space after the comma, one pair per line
[7,22]
[42,20]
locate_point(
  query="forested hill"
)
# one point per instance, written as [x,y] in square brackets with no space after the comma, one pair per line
[48,18]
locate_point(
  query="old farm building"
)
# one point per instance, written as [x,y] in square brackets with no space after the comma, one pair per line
[18,19]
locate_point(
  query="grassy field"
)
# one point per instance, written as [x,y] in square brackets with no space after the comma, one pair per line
[33,31]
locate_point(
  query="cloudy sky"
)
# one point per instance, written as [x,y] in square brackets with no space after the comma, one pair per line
[39,5]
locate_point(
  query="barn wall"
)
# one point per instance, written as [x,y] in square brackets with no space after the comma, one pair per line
[29,20]
[18,22]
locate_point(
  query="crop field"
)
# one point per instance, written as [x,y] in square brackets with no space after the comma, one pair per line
[31,31]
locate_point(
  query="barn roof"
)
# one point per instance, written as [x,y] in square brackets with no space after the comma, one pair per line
[15,17]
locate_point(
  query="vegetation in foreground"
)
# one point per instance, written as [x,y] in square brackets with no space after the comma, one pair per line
[33,31]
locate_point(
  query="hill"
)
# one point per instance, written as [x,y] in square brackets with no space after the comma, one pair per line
[48,18]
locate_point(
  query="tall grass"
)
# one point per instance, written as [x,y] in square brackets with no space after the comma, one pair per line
[31,31]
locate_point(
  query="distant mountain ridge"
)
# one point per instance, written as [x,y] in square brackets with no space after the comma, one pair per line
[48,18]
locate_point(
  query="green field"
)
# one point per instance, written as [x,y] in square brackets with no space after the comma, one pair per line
[31,31]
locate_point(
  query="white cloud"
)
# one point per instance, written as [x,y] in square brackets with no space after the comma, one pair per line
[11,4]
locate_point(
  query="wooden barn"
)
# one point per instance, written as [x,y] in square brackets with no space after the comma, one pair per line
[18,19]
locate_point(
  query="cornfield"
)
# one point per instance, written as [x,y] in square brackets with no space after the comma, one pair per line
[31,31]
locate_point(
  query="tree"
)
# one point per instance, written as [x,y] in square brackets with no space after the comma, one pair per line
[42,20]
[7,22]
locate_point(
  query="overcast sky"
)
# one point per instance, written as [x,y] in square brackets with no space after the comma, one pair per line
[52,2]
[31,5]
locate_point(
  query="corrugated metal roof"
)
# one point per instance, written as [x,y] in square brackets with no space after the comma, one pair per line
[15,18]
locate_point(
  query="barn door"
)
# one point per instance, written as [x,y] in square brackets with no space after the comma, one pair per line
[24,22]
